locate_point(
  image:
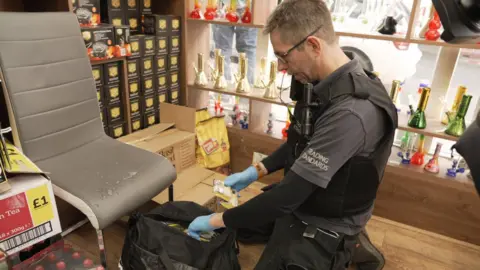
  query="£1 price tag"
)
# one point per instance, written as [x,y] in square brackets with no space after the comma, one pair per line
[40,204]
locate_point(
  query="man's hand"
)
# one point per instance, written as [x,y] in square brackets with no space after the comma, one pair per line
[241,180]
[205,224]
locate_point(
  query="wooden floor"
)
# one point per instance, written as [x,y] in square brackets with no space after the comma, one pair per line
[404,247]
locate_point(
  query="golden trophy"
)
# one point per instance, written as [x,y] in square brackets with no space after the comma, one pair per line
[214,70]
[271,86]
[220,81]
[241,78]
[263,71]
[200,76]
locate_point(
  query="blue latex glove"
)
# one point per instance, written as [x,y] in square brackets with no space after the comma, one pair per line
[199,225]
[241,180]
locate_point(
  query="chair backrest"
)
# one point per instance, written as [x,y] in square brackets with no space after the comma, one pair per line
[48,83]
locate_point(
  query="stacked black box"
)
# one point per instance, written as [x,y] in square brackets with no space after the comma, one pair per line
[113,99]
[122,12]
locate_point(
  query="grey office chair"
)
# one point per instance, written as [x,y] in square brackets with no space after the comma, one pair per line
[53,109]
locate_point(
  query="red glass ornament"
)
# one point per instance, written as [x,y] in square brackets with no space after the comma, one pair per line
[197,12]
[418,158]
[210,14]
[432,35]
[61,265]
[433,26]
[285,130]
[247,16]
[232,16]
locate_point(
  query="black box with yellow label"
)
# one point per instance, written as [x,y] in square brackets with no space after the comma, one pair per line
[162,97]
[148,103]
[134,87]
[99,41]
[97,73]
[161,63]
[112,12]
[115,112]
[113,93]
[132,5]
[162,82]
[147,66]
[174,95]
[145,6]
[173,62]
[148,85]
[136,46]
[133,19]
[155,24]
[117,129]
[175,25]
[149,46]
[87,11]
[174,79]
[111,73]
[174,44]
[100,95]
[149,119]
[162,45]
[135,107]
[122,35]
[136,123]
[133,68]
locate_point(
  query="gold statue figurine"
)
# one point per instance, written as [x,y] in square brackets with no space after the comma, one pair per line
[200,76]
[220,81]
[241,78]
[271,86]
[262,74]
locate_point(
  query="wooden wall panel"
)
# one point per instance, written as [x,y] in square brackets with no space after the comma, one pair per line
[11,5]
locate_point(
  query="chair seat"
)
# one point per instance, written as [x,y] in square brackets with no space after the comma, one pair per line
[110,177]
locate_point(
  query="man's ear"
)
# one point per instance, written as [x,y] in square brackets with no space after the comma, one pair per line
[315,43]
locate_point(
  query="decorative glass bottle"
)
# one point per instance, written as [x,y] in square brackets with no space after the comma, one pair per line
[457,126]
[418,119]
[419,157]
[450,115]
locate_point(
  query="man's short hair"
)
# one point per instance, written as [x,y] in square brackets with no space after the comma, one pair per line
[296,19]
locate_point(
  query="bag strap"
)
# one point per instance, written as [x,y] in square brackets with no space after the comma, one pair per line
[165,259]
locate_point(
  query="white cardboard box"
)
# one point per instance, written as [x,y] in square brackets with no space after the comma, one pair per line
[28,213]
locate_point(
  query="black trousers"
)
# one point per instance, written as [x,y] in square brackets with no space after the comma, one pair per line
[291,245]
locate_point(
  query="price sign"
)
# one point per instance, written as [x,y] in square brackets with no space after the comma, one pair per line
[40,204]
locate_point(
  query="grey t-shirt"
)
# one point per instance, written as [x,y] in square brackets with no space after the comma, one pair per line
[350,128]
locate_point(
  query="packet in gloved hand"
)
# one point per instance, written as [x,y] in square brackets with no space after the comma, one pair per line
[204,236]
[228,197]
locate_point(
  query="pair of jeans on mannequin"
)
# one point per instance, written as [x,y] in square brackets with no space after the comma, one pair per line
[246,42]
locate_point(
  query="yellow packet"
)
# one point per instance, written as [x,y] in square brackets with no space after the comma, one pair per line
[200,115]
[228,196]
[213,142]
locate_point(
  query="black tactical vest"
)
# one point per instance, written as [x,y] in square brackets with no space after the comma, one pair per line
[352,190]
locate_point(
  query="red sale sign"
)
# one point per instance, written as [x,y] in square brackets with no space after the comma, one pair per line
[14,216]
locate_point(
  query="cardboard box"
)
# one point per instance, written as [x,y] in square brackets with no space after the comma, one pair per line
[97,72]
[148,103]
[161,64]
[115,112]
[162,45]
[133,68]
[122,36]
[174,43]
[111,73]
[117,129]
[162,82]
[174,62]
[136,46]
[99,41]
[135,107]
[148,86]
[113,93]
[88,12]
[100,95]
[174,137]
[156,24]
[149,46]
[134,87]
[174,95]
[28,211]
[136,123]
[145,6]
[150,119]
[133,19]
[146,66]
[173,79]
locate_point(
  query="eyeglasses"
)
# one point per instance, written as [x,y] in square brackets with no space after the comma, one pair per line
[284,55]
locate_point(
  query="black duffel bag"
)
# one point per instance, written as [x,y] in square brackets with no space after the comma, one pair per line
[157,241]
